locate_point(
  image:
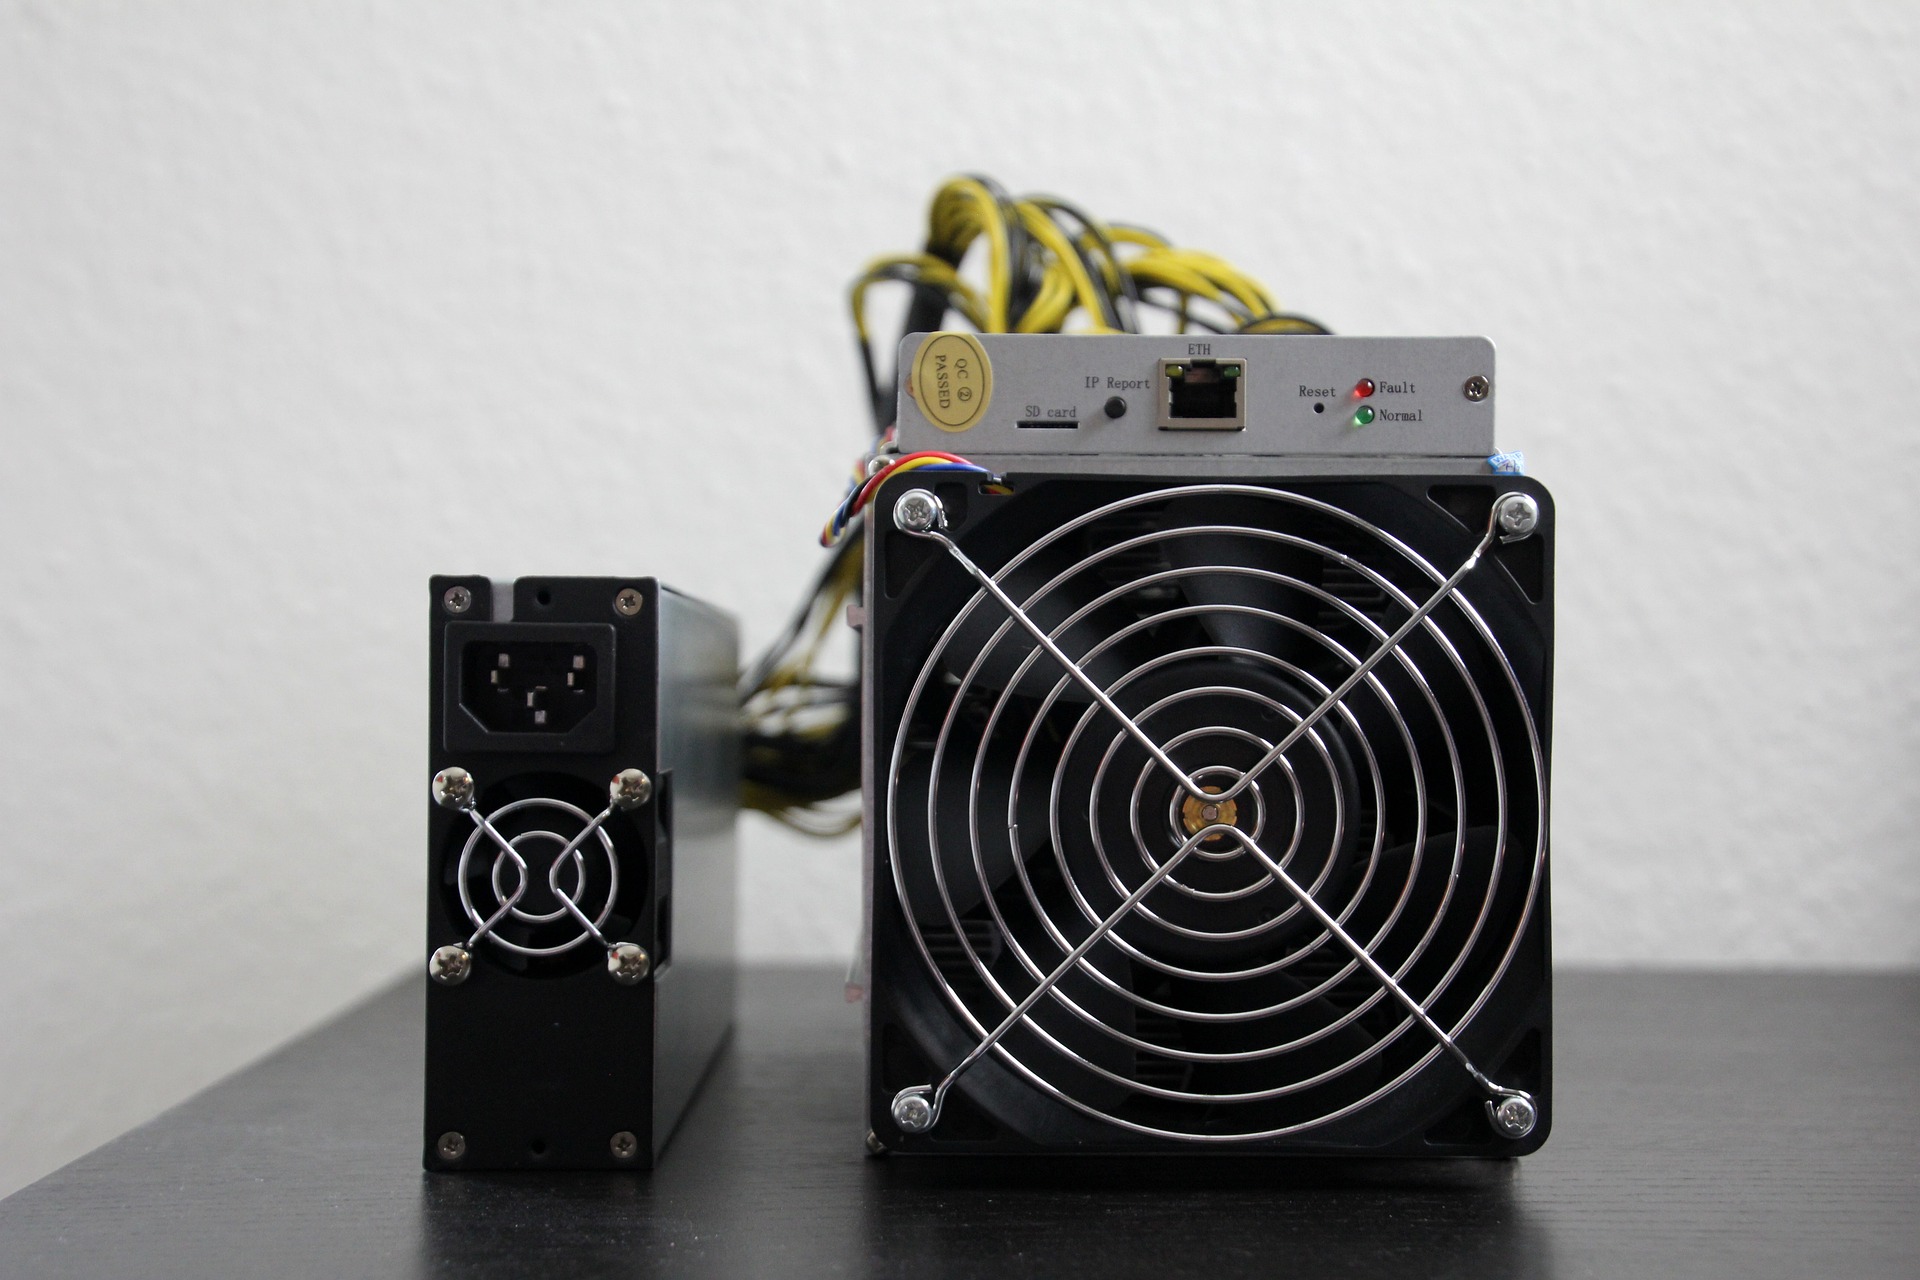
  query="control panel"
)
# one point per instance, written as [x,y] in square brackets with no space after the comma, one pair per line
[1020,398]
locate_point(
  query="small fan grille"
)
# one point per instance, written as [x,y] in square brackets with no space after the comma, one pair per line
[1020,814]
[539,829]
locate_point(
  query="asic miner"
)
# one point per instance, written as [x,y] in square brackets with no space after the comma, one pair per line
[1207,752]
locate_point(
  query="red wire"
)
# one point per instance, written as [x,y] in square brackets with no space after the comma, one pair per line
[867,490]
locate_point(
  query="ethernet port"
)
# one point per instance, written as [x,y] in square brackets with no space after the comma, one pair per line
[529,686]
[1203,395]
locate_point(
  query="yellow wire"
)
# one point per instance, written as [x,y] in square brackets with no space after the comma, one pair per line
[1050,306]
[1164,268]
[1120,233]
[962,210]
[965,210]
[1189,272]
[932,271]
[914,464]
[1048,233]
[842,587]
[1280,324]
[784,809]
[1230,278]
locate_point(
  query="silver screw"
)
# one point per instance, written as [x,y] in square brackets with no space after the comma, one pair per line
[450,965]
[623,1145]
[453,788]
[457,600]
[1517,514]
[1513,1116]
[451,1146]
[629,789]
[627,603]
[912,1112]
[628,963]
[918,511]
[1477,387]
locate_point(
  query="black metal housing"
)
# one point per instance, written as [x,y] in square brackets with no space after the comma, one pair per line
[537,1062]
[915,1035]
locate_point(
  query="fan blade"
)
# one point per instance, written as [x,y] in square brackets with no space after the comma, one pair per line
[1002,667]
[1233,576]
[968,805]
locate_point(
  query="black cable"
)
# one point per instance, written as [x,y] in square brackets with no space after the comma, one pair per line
[1128,287]
[1185,312]
[936,300]
[1307,325]
[771,655]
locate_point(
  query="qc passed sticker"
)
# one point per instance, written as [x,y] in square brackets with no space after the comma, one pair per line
[952,381]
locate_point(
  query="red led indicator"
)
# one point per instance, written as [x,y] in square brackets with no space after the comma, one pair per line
[1363,388]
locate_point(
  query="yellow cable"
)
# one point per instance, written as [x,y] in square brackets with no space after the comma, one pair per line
[1050,306]
[962,210]
[1159,268]
[932,271]
[1121,233]
[1281,324]
[1048,233]
[1231,278]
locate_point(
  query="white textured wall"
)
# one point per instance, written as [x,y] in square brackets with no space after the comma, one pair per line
[299,304]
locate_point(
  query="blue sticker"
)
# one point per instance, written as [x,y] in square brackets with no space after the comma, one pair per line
[1513,463]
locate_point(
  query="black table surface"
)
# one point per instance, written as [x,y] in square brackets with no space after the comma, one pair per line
[1707,1125]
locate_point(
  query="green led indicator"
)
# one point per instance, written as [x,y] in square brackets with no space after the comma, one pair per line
[1230,371]
[1363,415]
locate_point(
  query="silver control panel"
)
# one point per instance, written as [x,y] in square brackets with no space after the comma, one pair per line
[1145,402]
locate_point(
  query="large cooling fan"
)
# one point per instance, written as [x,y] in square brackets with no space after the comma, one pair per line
[1210,814]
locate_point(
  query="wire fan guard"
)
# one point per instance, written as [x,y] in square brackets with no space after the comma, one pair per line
[1020,814]
[588,878]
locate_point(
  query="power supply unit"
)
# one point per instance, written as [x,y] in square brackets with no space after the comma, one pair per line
[580,852]
[1205,752]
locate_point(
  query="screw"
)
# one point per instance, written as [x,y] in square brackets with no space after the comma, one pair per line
[1477,387]
[627,603]
[453,788]
[629,789]
[457,600]
[912,1112]
[451,1146]
[628,963]
[623,1145]
[450,966]
[1513,1116]
[1517,514]
[918,511]
[1116,407]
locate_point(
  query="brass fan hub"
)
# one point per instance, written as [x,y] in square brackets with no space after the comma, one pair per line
[1198,814]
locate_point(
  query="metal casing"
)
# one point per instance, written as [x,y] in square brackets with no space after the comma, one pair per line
[539,1061]
[1299,405]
